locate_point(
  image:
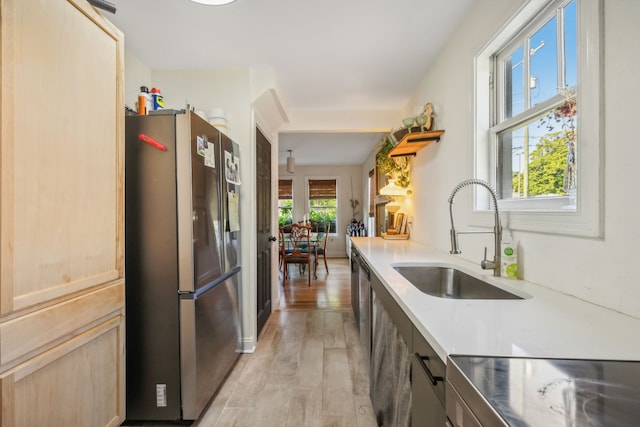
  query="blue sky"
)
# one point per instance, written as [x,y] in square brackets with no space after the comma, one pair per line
[544,82]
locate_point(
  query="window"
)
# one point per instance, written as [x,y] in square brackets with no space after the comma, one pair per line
[323,202]
[538,132]
[285,202]
[536,112]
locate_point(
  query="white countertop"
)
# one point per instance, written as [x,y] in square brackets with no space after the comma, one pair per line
[546,324]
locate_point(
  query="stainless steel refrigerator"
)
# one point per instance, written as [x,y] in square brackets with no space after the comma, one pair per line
[182,263]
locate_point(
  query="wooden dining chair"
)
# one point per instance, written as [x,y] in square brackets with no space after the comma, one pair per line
[301,253]
[285,244]
[321,248]
[282,244]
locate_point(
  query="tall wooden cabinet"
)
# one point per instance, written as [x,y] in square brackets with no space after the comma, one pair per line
[61,217]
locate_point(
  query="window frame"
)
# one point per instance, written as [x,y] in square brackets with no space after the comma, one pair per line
[308,200]
[530,112]
[292,199]
[587,218]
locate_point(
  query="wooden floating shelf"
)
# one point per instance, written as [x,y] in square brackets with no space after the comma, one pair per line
[410,142]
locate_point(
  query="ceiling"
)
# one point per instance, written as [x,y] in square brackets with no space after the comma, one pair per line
[327,148]
[328,55]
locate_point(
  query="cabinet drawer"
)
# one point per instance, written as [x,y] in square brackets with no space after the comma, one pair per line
[458,413]
[428,355]
[420,345]
[427,406]
[77,383]
[23,336]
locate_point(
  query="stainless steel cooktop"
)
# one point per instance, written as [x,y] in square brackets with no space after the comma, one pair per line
[549,392]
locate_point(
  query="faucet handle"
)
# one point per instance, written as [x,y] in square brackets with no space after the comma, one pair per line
[454,243]
[486,264]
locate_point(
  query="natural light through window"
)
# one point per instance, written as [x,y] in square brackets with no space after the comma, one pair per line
[323,203]
[535,134]
[538,121]
[285,202]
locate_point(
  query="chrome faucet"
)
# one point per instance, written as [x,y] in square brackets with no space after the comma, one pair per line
[497,228]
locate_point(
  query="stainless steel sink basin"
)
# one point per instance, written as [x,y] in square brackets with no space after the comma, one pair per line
[445,282]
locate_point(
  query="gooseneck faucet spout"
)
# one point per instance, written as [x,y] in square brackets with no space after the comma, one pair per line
[497,228]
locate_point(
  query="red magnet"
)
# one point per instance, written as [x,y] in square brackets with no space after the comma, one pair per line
[152,142]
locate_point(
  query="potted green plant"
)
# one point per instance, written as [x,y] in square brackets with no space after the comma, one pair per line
[394,167]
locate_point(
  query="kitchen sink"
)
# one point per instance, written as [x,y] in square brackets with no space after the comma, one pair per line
[446,282]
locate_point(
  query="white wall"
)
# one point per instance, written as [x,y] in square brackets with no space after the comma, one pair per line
[345,176]
[205,90]
[598,270]
[343,120]
[136,74]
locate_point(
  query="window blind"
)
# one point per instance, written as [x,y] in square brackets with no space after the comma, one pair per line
[285,189]
[322,189]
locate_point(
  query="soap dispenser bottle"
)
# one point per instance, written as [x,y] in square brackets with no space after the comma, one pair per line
[509,261]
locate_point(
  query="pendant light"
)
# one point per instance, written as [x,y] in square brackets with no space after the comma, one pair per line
[291,163]
[213,2]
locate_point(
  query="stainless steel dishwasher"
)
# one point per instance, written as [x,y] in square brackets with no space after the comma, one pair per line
[364,306]
[355,285]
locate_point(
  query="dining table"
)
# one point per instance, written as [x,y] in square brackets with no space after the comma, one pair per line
[313,242]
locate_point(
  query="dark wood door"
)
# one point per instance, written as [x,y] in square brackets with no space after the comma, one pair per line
[264,234]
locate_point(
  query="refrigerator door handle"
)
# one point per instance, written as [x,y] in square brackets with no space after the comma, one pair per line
[204,289]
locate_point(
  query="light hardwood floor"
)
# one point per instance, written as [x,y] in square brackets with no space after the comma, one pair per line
[308,368]
[330,291]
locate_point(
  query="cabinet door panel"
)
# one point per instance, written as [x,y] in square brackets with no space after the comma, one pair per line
[426,408]
[61,216]
[399,318]
[61,153]
[23,336]
[79,381]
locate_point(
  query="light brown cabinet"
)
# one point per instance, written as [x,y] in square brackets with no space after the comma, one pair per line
[61,218]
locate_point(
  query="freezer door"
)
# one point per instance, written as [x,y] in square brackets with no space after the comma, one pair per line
[153,357]
[199,204]
[209,342]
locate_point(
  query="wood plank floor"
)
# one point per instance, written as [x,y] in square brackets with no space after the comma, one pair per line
[308,369]
[330,291]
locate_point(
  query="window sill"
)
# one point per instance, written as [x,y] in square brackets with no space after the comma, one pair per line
[538,204]
[569,222]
